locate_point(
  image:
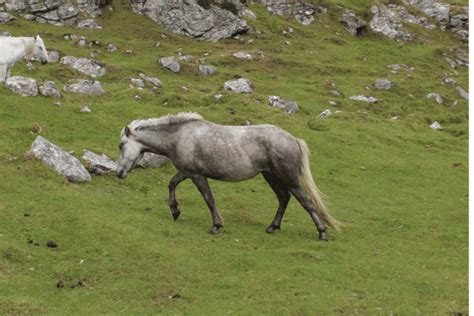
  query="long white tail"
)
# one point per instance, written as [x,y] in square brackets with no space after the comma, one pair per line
[307,183]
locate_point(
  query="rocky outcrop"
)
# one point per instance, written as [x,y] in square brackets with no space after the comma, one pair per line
[23,86]
[302,10]
[91,87]
[353,24]
[57,12]
[84,65]
[63,162]
[210,23]
[388,22]
[5,17]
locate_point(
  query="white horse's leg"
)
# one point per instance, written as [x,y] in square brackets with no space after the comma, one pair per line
[283,198]
[9,71]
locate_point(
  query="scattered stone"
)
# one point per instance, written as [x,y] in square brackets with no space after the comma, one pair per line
[53,56]
[303,11]
[151,160]
[84,65]
[23,86]
[247,14]
[435,96]
[462,92]
[60,160]
[290,107]
[139,83]
[85,86]
[449,81]
[170,63]
[49,89]
[137,97]
[30,66]
[384,84]
[60,284]
[36,129]
[51,244]
[6,17]
[154,81]
[218,96]
[82,42]
[89,24]
[186,58]
[157,44]
[129,51]
[111,48]
[364,98]
[241,85]
[210,23]
[94,43]
[85,109]
[99,164]
[58,104]
[397,67]
[353,24]
[175,296]
[242,55]
[325,113]
[394,118]
[207,69]
[436,126]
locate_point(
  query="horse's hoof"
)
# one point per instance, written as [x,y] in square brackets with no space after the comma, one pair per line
[214,230]
[322,236]
[175,214]
[271,229]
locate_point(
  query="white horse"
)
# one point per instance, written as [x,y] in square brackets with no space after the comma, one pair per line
[12,49]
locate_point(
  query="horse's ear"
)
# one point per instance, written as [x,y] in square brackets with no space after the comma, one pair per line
[127,131]
[35,37]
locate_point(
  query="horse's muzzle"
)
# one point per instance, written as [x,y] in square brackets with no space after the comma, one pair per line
[122,174]
[44,62]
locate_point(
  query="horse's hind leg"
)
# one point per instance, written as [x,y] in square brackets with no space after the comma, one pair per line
[283,197]
[305,201]
[172,197]
[3,73]
[203,187]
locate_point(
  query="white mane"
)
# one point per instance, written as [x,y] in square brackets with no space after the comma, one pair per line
[165,120]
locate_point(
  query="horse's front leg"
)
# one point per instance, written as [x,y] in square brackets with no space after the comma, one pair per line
[172,197]
[3,72]
[203,186]
[8,71]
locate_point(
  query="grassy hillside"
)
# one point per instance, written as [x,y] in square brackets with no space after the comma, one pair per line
[400,187]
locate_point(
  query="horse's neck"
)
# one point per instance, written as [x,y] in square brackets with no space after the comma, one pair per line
[160,142]
[21,47]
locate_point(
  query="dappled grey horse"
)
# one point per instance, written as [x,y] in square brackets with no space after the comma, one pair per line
[200,150]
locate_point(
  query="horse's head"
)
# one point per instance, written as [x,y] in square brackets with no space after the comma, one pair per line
[130,152]
[39,50]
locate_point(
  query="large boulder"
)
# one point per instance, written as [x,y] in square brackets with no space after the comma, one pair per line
[210,23]
[170,63]
[63,162]
[91,87]
[23,86]
[84,65]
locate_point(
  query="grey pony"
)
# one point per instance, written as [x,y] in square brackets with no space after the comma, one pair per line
[200,150]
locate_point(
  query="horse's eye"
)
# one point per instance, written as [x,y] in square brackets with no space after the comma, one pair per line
[121,146]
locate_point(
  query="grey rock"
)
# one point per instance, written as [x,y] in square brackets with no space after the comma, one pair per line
[459,20]
[6,17]
[384,84]
[91,87]
[241,85]
[247,13]
[85,109]
[186,58]
[388,23]
[462,93]
[436,126]
[53,56]
[5,33]
[435,96]
[170,63]
[449,81]
[363,98]
[84,65]
[242,55]
[23,86]
[189,18]
[153,80]
[325,113]
[68,11]
[139,83]
[302,10]
[99,164]
[63,162]
[353,24]
[289,106]
[207,69]
[49,89]
[432,8]
[397,67]
[89,24]
[151,160]
[111,48]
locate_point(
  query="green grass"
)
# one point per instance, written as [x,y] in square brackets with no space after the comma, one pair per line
[400,187]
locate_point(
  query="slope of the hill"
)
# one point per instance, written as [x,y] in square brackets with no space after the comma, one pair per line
[400,187]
